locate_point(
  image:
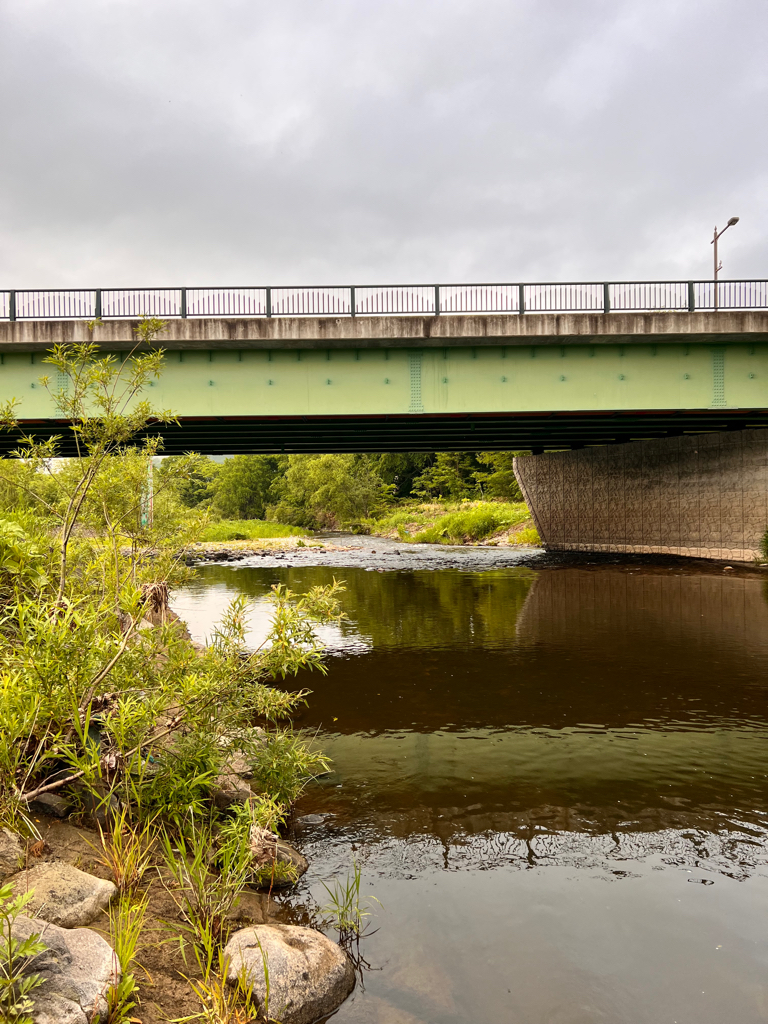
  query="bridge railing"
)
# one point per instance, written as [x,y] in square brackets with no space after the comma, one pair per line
[382,300]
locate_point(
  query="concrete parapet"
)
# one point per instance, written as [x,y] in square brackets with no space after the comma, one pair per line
[705,496]
[494,330]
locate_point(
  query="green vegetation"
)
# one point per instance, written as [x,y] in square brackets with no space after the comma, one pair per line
[345,906]
[105,700]
[249,529]
[17,978]
[473,524]
[455,522]
[331,491]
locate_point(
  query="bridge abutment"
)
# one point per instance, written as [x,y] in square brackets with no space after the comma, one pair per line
[703,495]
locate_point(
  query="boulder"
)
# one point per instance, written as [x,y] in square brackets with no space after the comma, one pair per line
[52,804]
[229,789]
[11,853]
[286,854]
[64,895]
[309,976]
[77,969]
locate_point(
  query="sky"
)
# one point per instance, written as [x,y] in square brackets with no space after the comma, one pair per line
[215,142]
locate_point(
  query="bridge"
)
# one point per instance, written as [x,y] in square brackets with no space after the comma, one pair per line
[577,370]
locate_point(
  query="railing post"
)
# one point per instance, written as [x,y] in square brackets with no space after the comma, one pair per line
[183,303]
[437,300]
[352,302]
[521,298]
[97,305]
[691,298]
[606,298]
[11,305]
[269,302]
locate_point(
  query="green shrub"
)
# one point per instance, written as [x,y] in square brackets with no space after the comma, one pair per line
[473,524]
[530,535]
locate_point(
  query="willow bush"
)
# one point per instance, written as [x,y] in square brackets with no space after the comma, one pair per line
[93,703]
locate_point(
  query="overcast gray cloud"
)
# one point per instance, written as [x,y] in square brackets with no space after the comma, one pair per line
[320,141]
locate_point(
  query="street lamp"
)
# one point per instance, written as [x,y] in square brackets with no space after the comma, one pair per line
[719,265]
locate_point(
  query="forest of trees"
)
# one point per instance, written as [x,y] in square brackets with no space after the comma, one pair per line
[324,490]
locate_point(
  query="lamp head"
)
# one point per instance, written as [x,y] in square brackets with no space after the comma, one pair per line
[733,220]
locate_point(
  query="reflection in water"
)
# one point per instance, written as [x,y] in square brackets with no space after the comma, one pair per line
[504,743]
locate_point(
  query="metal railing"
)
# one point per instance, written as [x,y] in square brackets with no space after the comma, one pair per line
[382,300]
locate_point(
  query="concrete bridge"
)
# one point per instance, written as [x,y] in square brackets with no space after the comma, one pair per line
[601,389]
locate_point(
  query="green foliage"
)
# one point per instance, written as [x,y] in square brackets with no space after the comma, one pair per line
[473,524]
[499,481]
[223,1003]
[284,764]
[249,529]
[530,535]
[205,898]
[89,700]
[241,487]
[345,906]
[17,980]
[191,477]
[451,475]
[764,546]
[126,921]
[23,562]
[254,826]
[400,469]
[126,849]
[329,491]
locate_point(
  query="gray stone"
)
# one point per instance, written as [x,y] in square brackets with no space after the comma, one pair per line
[230,789]
[287,854]
[64,895]
[309,976]
[77,969]
[50,803]
[11,853]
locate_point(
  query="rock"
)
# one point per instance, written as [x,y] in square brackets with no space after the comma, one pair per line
[251,908]
[286,854]
[309,976]
[77,968]
[238,764]
[230,789]
[50,803]
[11,853]
[64,895]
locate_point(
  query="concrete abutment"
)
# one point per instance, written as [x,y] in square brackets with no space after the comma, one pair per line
[703,495]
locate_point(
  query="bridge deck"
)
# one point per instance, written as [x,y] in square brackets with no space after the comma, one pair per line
[429,383]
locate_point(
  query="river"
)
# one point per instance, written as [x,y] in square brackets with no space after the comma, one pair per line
[553,777]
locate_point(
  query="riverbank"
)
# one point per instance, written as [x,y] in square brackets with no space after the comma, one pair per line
[384,554]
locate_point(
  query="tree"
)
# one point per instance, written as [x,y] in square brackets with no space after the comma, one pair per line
[242,485]
[330,491]
[401,469]
[195,487]
[499,480]
[452,475]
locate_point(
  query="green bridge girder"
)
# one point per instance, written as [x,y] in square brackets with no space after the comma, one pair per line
[479,393]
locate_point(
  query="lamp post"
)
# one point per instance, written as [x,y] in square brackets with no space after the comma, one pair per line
[719,265]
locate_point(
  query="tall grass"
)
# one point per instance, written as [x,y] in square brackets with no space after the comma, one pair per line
[473,524]
[249,529]
[345,907]
[126,921]
[126,849]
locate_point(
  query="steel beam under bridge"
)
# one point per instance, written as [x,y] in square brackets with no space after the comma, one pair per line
[427,383]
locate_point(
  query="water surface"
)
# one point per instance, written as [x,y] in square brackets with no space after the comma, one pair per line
[555,782]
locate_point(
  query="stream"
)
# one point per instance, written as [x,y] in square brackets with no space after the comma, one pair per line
[552,774]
